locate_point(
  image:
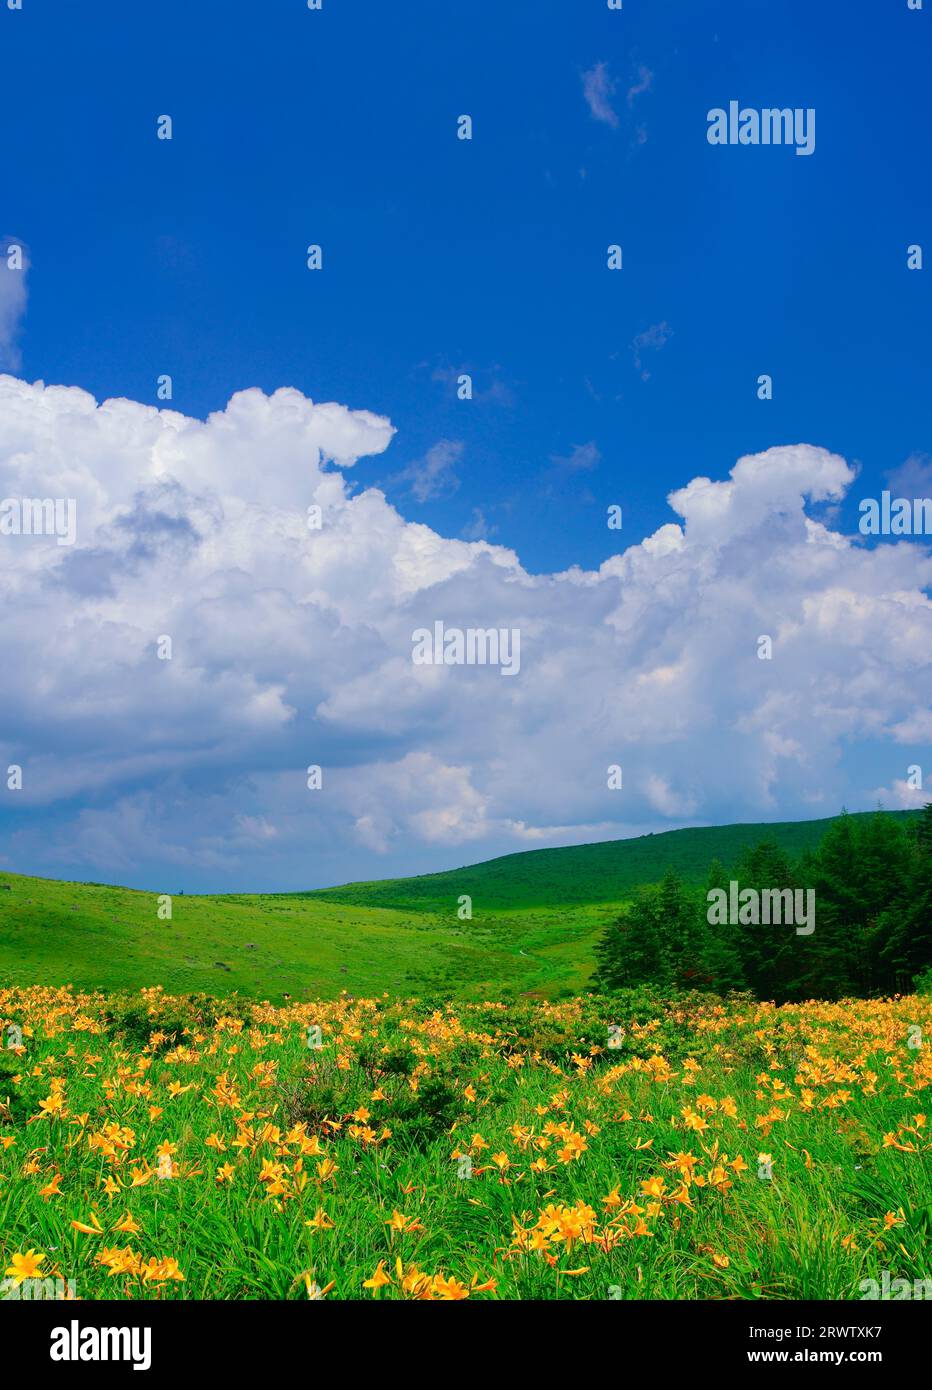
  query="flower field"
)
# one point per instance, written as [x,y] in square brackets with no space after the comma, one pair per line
[590,1148]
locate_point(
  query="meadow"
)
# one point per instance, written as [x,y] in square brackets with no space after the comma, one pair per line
[536,920]
[632,1147]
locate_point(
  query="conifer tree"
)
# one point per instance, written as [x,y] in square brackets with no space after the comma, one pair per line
[629,952]
[904,931]
[679,929]
[721,953]
[770,954]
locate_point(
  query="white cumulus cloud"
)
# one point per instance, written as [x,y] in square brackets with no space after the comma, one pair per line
[291,646]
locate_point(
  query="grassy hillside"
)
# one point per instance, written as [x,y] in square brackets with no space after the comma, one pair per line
[267,946]
[607,872]
[536,919]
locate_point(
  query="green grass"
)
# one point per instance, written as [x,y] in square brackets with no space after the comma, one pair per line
[268,946]
[536,919]
[100,1082]
[397,1091]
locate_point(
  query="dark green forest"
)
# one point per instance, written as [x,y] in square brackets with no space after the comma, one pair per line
[871,876]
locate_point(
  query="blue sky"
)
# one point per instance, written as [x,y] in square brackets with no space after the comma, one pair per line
[441,256]
[338,127]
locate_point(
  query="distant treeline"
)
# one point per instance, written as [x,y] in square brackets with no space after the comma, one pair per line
[872,880]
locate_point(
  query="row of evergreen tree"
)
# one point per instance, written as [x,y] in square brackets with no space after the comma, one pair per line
[872,878]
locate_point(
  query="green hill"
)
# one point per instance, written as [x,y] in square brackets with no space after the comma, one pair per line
[536,918]
[599,873]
